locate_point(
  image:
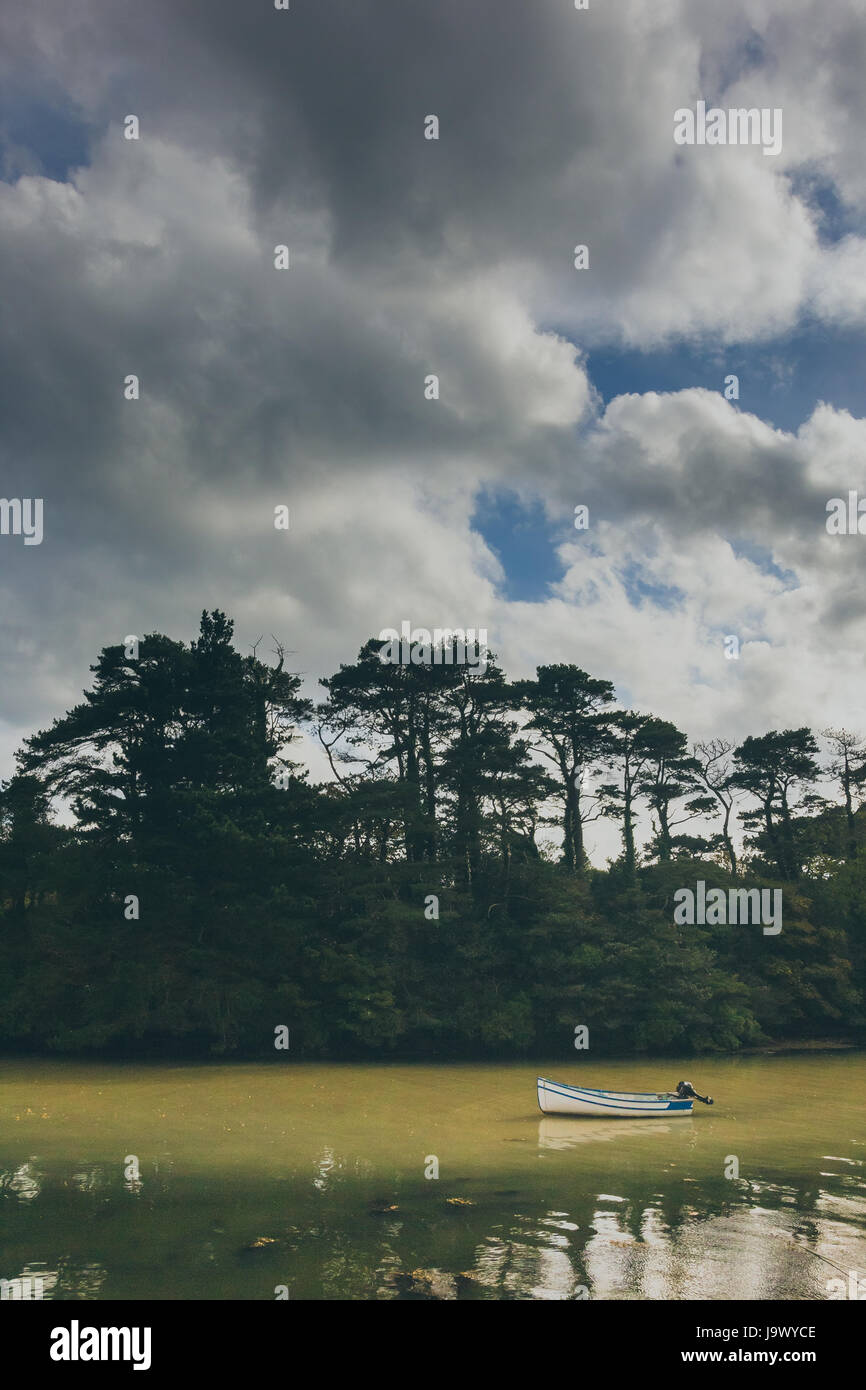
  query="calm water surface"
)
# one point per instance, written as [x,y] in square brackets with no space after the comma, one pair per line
[324,1166]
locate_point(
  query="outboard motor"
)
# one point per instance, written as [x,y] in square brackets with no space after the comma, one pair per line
[686,1091]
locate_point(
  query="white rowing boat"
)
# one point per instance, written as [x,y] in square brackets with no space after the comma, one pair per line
[555,1098]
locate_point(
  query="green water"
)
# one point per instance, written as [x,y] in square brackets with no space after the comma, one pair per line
[325,1165]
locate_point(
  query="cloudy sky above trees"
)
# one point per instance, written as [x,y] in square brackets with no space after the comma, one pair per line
[559,387]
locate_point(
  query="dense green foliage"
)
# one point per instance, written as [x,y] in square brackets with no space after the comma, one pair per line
[415,904]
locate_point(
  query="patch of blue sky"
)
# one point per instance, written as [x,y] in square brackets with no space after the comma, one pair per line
[763,560]
[641,588]
[781,380]
[834,220]
[525,541]
[38,137]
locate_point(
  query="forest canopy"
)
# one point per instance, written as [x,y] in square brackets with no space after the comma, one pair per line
[173,882]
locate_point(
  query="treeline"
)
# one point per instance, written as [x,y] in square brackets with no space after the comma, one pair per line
[171,882]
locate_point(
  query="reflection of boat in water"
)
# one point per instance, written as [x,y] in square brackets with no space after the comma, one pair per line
[557,1132]
[555,1098]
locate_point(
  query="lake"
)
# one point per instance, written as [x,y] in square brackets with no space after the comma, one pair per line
[307,1181]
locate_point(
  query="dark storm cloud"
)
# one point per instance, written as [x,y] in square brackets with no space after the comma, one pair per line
[546,115]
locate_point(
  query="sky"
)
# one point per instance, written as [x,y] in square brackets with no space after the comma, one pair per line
[409,257]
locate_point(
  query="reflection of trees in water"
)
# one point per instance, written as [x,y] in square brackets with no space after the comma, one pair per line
[648,1245]
[23,1182]
[80,1279]
[644,1235]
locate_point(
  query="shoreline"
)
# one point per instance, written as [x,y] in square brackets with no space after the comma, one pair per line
[777,1048]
